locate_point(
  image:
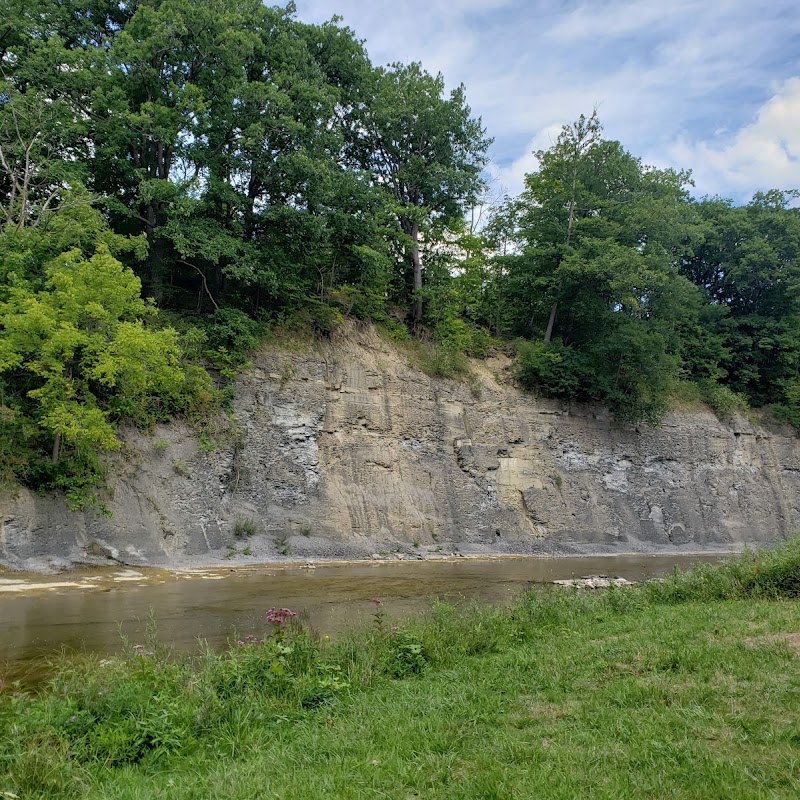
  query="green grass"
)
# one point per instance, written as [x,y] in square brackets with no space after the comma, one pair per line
[688,688]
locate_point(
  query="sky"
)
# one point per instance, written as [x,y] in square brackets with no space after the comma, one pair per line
[707,85]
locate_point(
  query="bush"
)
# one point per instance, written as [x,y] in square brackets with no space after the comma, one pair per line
[553,370]
[722,401]
[232,330]
[440,361]
[461,336]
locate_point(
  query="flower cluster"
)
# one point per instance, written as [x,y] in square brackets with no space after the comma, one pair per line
[249,640]
[279,616]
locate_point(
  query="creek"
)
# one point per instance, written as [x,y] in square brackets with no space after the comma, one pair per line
[91,610]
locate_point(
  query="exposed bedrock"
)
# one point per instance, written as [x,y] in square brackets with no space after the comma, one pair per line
[346,450]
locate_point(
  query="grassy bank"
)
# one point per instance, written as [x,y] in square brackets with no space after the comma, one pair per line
[688,688]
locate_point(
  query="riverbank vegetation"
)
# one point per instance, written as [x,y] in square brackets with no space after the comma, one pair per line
[241,169]
[686,687]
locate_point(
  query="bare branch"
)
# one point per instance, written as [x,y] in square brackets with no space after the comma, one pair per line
[205,283]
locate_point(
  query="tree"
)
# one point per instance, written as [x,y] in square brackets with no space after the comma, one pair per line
[76,356]
[426,151]
[746,262]
[40,153]
[554,193]
[597,273]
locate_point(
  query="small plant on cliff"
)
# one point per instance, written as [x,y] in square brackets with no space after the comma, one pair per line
[244,527]
[282,543]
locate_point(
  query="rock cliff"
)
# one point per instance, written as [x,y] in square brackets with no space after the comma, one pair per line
[346,450]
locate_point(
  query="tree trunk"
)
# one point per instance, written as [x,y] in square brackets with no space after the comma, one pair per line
[548,334]
[417,262]
[56,449]
[155,257]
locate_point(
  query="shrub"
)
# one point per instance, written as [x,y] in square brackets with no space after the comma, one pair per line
[553,370]
[722,401]
[441,361]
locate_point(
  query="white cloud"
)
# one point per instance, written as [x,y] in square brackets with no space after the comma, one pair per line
[616,19]
[510,179]
[762,155]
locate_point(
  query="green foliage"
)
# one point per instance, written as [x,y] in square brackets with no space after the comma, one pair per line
[427,153]
[251,169]
[406,655]
[722,400]
[632,286]
[746,262]
[394,331]
[231,330]
[440,360]
[75,357]
[552,369]
[147,706]
[629,372]
[461,336]
[773,574]
[282,543]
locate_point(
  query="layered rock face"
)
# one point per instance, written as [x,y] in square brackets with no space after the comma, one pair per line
[347,450]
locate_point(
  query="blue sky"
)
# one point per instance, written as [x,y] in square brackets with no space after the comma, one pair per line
[708,85]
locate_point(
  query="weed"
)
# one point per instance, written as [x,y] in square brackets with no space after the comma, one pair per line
[475,388]
[244,527]
[393,331]
[406,655]
[206,443]
[440,361]
[282,543]
[181,468]
[234,551]
[287,373]
[770,574]
[160,445]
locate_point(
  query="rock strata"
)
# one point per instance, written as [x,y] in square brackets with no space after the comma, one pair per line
[346,450]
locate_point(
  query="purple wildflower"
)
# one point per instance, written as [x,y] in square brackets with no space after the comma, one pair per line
[279,616]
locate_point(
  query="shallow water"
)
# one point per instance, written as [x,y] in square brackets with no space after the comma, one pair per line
[88,611]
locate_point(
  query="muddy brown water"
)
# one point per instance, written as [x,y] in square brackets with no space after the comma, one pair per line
[90,610]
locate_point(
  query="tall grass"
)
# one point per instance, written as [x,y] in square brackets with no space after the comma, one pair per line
[765,574]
